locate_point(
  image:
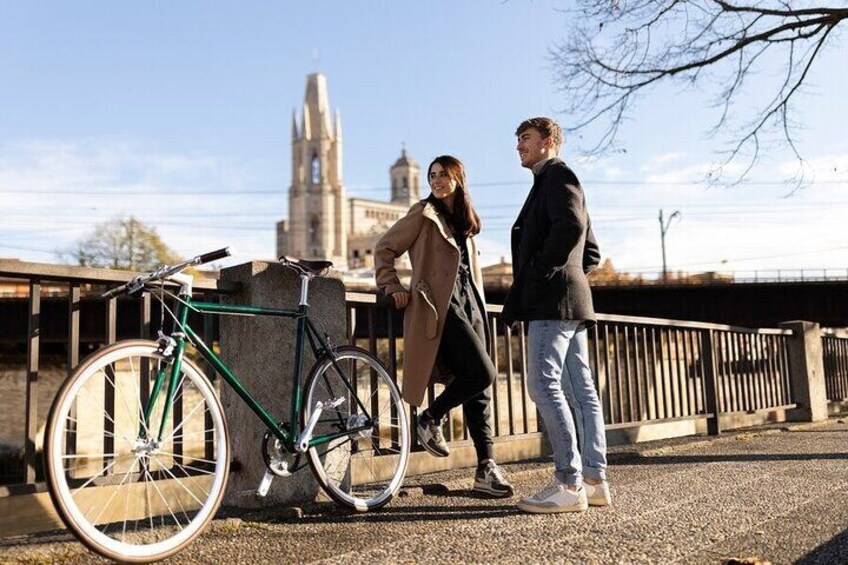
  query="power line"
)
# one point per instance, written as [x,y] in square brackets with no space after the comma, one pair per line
[384,189]
[743,260]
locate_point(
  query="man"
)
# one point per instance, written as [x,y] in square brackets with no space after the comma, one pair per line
[553,248]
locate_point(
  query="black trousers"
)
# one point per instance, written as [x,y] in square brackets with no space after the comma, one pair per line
[463,351]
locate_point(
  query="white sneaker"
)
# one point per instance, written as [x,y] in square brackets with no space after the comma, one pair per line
[598,495]
[555,498]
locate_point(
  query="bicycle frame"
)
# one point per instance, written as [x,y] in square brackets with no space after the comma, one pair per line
[305,330]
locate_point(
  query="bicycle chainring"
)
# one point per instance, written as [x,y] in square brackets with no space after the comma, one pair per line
[278,459]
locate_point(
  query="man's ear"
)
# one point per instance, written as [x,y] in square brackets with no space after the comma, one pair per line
[549,141]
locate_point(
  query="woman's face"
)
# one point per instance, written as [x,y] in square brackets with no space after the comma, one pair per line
[441,183]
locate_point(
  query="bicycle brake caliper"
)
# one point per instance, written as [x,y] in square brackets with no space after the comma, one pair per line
[166,344]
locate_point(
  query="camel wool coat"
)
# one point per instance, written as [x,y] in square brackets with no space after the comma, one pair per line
[435,257]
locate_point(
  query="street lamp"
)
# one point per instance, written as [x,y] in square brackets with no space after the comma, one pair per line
[664,225]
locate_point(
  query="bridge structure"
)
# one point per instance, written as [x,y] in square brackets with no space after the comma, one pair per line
[751,303]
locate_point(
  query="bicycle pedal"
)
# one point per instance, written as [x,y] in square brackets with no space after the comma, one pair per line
[265,484]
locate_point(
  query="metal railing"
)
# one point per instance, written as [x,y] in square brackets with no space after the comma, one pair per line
[835,360]
[72,291]
[647,370]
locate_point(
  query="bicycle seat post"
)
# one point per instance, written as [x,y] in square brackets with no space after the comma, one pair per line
[304,289]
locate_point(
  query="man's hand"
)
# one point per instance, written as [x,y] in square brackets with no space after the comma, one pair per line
[401,299]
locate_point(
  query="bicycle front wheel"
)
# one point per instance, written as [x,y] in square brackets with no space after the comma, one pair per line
[363,461]
[135,486]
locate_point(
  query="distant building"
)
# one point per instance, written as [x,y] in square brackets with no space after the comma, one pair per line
[323,223]
[497,276]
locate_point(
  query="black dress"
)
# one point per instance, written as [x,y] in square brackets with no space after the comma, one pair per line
[462,351]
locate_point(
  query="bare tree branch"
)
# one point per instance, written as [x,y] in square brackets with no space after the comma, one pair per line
[622,48]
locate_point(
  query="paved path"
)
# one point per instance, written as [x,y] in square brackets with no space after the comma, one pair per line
[779,494]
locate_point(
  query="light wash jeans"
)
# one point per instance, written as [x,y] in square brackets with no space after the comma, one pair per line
[559,377]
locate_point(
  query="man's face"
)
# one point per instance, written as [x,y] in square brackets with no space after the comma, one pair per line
[532,147]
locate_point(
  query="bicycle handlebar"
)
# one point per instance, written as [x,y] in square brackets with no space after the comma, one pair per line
[137,283]
[213,256]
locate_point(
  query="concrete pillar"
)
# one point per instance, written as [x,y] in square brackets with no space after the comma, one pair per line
[806,368]
[260,352]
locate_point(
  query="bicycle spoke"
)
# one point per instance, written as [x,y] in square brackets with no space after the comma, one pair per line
[107,415]
[185,419]
[108,502]
[165,500]
[92,479]
[96,408]
[178,481]
[176,494]
[89,455]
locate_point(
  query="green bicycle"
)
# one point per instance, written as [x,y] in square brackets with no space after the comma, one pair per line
[137,451]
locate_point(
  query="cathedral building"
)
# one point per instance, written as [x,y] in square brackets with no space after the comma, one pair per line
[323,223]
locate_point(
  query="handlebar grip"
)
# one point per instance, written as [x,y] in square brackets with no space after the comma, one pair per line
[213,256]
[114,292]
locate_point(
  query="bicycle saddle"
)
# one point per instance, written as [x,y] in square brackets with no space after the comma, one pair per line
[314,268]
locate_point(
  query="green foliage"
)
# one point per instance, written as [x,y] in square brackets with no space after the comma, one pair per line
[124,243]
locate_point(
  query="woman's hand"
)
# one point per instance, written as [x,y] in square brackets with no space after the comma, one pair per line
[401,299]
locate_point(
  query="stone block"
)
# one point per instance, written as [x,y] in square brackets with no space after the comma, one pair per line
[260,351]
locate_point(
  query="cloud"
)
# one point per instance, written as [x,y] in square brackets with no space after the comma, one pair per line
[53,192]
[739,228]
[658,161]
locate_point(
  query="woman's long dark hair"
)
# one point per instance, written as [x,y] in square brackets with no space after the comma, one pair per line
[463,219]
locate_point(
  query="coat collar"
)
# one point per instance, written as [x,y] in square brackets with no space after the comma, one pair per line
[431,213]
[540,168]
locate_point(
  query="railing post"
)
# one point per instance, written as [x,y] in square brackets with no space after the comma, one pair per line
[711,401]
[806,370]
[34,337]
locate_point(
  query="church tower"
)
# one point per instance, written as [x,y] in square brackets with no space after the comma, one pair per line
[404,175]
[317,224]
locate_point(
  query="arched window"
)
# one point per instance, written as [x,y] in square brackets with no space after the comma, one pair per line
[314,226]
[316,170]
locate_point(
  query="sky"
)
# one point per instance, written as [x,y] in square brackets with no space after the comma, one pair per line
[180,114]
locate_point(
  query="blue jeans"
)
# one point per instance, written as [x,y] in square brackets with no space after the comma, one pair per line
[559,377]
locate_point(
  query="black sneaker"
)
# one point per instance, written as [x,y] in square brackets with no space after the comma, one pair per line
[431,437]
[490,480]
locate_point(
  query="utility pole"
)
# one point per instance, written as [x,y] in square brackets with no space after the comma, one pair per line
[664,225]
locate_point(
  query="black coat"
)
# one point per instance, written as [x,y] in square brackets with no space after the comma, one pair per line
[553,248]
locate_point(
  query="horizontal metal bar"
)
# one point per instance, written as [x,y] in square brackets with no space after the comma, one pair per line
[364,298]
[66,273]
[762,410]
[624,425]
[18,489]
[243,309]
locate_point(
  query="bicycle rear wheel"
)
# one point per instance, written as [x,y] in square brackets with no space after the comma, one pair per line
[127,493]
[364,466]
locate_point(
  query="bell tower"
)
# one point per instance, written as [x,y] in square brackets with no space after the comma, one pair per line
[404,176]
[317,224]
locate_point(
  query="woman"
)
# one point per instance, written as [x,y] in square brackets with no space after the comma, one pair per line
[444,324]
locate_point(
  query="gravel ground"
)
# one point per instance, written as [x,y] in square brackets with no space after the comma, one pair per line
[777,494]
